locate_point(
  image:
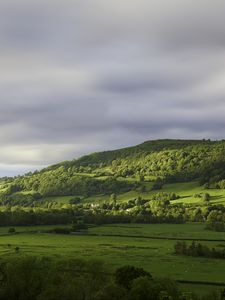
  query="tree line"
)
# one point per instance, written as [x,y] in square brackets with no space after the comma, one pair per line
[199,250]
[134,211]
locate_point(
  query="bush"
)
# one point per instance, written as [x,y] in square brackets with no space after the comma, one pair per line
[12,230]
[61,230]
[217,226]
[79,226]
[75,200]
[206,197]
[156,289]
[125,275]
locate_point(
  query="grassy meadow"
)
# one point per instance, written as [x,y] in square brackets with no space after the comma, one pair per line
[121,244]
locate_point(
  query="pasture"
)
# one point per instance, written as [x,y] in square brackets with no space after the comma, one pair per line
[147,246]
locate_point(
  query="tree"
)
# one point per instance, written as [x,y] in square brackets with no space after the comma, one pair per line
[141,178]
[141,289]
[206,197]
[158,184]
[157,289]
[125,275]
[75,200]
[79,226]
[11,230]
[113,198]
[142,188]
[112,292]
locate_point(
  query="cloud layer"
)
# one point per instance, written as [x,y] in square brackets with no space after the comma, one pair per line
[79,76]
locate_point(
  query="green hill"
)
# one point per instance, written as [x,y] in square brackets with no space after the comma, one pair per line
[146,166]
[106,157]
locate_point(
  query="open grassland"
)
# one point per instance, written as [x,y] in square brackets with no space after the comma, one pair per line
[124,244]
[192,231]
[28,229]
[155,256]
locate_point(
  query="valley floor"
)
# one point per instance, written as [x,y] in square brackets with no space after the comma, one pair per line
[150,246]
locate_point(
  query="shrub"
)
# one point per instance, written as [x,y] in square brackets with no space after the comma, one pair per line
[125,275]
[11,230]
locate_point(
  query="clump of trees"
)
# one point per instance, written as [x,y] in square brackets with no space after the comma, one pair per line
[158,184]
[216,226]
[75,200]
[125,275]
[197,249]
[12,230]
[165,196]
[59,183]
[203,196]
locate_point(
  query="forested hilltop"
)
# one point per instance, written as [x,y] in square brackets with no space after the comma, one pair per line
[165,160]
[157,181]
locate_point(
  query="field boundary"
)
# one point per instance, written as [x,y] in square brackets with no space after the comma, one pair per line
[151,237]
[197,282]
[120,235]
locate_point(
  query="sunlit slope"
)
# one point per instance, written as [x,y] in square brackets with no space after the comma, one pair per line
[184,167]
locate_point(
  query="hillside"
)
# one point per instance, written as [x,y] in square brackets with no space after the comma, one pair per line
[170,160]
[105,158]
[123,170]
[157,181]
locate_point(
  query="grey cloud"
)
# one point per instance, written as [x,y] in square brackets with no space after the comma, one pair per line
[80,76]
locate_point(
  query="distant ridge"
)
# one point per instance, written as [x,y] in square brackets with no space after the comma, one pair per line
[145,147]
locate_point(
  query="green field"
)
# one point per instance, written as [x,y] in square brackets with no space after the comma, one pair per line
[153,254]
[184,231]
[184,190]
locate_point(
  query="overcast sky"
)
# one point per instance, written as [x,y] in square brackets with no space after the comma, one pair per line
[78,76]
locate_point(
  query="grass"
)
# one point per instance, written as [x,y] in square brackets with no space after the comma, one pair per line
[184,231]
[28,229]
[58,199]
[154,255]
